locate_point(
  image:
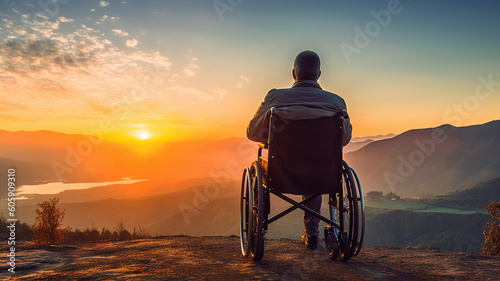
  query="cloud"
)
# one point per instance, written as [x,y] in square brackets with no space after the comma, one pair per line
[63,19]
[120,32]
[54,25]
[202,96]
[244,80]
[103,4]
[77,73]
[220,93]
[132,43]
[56,74]
[190,70]
[107,18]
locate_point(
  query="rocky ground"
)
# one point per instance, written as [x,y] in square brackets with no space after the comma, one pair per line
[219,258]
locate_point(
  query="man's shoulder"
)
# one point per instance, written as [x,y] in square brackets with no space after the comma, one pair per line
[305,90]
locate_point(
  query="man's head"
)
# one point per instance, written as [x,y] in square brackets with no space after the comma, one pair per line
[306,66]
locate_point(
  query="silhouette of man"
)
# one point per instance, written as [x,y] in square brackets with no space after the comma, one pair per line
[304,100]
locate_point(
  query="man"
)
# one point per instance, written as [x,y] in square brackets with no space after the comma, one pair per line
[304,100]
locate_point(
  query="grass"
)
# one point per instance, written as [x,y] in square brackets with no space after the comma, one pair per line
[396,204]
[416,205]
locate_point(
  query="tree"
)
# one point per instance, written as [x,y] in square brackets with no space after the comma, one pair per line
[374,195]
[48,223]
[392,196]
[492,231]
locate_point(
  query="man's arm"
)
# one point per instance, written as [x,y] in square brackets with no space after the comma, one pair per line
[346,131]
[347,127]
[258,128]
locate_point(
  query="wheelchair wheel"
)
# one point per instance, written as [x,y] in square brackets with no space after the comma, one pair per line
[344,210]
[350,209]
[344,247]
[361,210]
[257,249]
[246,212]
[331,243]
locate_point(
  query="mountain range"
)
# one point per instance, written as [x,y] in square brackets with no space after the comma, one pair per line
[430,161]
[193,187]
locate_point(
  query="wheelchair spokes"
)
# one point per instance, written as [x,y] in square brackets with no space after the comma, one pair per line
[352,214]
[257,228]
[346,209]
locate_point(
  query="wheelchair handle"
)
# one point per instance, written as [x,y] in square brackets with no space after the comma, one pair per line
[345,115]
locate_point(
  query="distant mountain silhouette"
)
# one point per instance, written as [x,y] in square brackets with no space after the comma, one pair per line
[469,155]
[415,164]
[353,146]
[109,161]
[373,138]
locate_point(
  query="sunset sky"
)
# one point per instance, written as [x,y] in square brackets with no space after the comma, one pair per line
[185,70]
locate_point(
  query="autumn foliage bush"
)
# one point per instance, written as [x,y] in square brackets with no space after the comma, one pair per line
[492,231]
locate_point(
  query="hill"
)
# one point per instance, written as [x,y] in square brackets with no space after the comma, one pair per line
[474,198]
[430,161]
[219,258]
[193,211]
[402,228]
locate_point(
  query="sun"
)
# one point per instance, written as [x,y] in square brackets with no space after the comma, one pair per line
[143,134]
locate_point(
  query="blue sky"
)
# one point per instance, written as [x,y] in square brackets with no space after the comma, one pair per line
[212,71]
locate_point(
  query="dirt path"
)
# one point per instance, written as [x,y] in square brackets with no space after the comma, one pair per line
[219,258]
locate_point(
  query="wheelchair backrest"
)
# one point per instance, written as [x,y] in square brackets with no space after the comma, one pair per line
[305,156]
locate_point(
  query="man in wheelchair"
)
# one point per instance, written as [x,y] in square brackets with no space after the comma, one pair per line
[303,128]
[304,100]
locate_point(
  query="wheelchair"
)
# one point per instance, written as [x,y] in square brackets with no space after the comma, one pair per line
[304,157]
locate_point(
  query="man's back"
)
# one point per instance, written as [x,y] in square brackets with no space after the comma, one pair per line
[304,100]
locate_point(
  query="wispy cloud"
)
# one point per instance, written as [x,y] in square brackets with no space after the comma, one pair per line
[48,69]
[76,72]
[63,19]
[219,93]
[120,32]
[132,43]
[103,4]
[190,69]
[243,80]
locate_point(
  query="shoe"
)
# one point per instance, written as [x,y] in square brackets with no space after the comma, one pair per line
[311,241]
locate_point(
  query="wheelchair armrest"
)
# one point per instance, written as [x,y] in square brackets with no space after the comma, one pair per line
[263,145]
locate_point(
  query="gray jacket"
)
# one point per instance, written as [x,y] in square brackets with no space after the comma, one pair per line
[304,100]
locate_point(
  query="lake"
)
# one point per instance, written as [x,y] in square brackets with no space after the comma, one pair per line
[57,187]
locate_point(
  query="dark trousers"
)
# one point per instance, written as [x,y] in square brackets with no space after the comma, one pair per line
[311,223]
